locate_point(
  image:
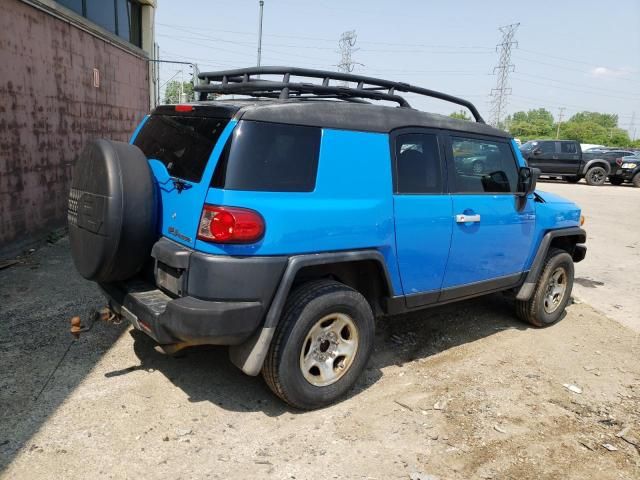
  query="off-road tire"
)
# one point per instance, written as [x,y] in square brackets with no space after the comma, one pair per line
[636,180]
[573,179]
[596,176]
[616,181]
[304,307]
[532,311]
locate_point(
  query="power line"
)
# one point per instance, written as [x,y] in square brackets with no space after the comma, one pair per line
[502,90]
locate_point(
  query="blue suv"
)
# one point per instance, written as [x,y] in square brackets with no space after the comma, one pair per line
[282,223]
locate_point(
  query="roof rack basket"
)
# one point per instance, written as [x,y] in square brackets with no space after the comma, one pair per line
[247,81]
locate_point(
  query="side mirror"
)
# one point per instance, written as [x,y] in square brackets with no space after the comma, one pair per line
[537,151]
[527,180]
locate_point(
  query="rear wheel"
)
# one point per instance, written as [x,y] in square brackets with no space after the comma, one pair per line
[596,176]
[552,291]
[636,180]
[477,167]
[321,345]
[616,180]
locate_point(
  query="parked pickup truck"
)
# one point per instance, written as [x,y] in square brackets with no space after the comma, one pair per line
[565,158]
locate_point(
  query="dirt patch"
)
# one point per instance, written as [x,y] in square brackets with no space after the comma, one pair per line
[464,391]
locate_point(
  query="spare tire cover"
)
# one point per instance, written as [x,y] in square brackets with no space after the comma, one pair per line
[112,211]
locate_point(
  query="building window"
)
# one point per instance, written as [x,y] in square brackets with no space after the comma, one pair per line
[122,17]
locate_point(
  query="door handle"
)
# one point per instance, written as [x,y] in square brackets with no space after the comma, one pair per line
[461,218]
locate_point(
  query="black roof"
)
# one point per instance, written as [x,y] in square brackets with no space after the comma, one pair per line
[332,114]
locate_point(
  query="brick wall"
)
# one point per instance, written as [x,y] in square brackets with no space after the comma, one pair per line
[49,108]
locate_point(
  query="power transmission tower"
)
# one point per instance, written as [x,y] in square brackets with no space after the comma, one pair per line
[347,43]
[504,68]
[559,121]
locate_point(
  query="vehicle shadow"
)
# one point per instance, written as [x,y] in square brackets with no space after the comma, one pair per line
[40,363]
[206,373]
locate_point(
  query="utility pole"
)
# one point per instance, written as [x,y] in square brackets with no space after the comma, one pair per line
[261,3]
[502,70]
[632,126]
[347,43]
[560,115]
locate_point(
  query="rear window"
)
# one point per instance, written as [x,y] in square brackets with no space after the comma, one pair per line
[269,157]
[183,144]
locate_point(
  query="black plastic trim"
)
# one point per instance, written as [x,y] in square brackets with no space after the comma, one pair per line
[526,290]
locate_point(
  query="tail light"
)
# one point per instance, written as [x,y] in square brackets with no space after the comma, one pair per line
[619,162]
[230,225]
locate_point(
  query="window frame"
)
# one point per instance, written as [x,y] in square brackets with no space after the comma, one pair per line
[393,137]
[452,187]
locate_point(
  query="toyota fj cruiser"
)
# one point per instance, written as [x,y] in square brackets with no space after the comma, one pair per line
[284,223]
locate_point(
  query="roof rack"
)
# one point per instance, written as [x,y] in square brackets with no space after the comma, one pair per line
[240,81]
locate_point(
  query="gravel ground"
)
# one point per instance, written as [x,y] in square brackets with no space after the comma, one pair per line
[458,392]
[608,278]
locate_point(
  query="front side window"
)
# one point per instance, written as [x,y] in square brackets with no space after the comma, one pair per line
[269,157]
[183,144]
[483,166]
[417,164]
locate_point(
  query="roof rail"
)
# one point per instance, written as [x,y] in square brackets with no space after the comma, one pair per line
[240,81]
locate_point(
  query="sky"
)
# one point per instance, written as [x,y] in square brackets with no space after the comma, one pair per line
[580,55]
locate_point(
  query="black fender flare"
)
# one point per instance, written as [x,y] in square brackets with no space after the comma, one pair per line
[250,355]
[527,288]
[600,162]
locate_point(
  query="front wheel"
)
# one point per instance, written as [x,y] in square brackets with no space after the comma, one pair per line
[552,292]
[636,180]
[596,176]
[321,345]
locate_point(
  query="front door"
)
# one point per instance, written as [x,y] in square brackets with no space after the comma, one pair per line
[545,157]
[422,213]
[493,228]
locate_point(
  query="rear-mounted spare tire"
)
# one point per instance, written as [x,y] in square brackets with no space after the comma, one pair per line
[112,211]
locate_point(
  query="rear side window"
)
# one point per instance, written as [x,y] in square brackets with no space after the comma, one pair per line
[183,144]
[568,147]
[418,164]
[269,157]
[483,166]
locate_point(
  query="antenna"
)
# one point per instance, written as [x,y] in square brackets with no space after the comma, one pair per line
[502,70]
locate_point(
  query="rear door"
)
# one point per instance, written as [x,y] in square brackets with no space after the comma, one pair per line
[180,148]
[493,228]
[422,211]
[569,158]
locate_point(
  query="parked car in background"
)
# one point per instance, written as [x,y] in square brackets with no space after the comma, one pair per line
[629,170]
[565,158]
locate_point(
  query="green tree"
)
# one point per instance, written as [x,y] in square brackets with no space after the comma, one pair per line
[460,115]
[606,120]
[173,90]
[536,123]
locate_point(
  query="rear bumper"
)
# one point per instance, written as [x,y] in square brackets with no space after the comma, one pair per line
[183,320]
[196,298]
